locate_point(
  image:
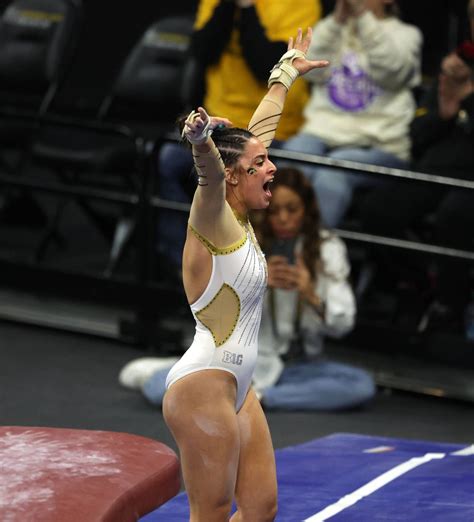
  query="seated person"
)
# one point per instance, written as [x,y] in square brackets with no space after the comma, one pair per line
[443,145]
[309,297]
[361,106]
[235,43]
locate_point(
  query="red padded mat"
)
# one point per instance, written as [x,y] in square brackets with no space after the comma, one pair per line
[50,474]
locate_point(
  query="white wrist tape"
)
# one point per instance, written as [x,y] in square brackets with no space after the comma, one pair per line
[193,137]
[284,72]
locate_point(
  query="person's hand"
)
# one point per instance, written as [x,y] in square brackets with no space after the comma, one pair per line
[456,68]
[199,126]
[450,95]
[305,286]
[454,84]
[300,43]
[294,62]
[280,273]
[244,3]
[304,283]
[294,277]
[289,277]
[448,102]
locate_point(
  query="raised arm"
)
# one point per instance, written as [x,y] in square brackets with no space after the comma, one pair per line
[209,199]
[208,211]
[292,64]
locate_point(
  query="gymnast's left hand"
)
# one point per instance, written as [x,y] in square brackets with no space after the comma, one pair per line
[303,65]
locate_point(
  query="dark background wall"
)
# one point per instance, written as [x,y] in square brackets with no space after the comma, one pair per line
[110,29]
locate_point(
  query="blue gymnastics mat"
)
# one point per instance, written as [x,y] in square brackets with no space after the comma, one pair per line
[357,478]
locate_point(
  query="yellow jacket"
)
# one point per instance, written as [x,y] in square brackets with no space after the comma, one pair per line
[231,88]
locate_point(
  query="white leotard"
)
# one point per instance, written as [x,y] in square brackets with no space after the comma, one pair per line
[228,314]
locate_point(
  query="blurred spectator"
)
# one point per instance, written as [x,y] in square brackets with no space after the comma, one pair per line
[443,144]
[234,46]
[360,107]
[309,297]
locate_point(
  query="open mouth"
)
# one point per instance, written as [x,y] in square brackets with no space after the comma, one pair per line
[266,187]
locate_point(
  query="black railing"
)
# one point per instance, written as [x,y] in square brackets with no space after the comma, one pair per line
[145,202]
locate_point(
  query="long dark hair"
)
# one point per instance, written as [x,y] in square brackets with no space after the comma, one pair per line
[295,180]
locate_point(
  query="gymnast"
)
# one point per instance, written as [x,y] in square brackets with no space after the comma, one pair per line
[221,431]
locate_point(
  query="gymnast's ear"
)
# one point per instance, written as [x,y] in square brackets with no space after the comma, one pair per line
[231,176]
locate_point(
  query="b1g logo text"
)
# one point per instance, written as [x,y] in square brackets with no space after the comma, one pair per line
[232,358]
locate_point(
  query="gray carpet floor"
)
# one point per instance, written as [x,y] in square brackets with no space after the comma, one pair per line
[58,379]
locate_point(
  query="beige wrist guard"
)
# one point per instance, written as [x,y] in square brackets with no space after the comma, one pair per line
[284,72]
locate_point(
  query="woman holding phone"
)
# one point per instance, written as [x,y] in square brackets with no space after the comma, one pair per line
[309,298]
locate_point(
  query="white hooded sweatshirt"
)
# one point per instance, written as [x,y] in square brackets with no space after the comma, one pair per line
[364,98]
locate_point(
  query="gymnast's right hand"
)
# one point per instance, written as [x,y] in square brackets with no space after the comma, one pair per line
[199,126]
[294,62]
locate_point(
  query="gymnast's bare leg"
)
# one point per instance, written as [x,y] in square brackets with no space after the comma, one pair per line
[223,453]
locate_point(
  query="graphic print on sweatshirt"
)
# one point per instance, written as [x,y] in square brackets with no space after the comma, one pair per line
[350,87]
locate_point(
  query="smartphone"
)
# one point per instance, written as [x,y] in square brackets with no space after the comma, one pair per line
[285,248]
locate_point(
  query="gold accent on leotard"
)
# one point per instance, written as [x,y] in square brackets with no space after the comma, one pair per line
[216,251]
[247,225]
[221,314]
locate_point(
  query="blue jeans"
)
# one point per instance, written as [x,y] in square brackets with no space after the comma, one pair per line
[155,387]
[320,385]
[335,187]
[175,165]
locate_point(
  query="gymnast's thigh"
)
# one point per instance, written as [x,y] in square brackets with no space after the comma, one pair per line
[256,488]
[200,411]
